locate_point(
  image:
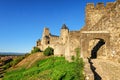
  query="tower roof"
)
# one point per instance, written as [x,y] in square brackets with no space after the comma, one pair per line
[64,26]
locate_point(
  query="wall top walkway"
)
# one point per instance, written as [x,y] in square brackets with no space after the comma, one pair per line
[95,32]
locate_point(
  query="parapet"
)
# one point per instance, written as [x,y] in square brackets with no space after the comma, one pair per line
[109,4]
[90,6]
[100,5]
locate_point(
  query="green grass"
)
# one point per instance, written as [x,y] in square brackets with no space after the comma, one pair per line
[53,68]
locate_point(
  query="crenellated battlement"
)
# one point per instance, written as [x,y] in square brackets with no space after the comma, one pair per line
[90,6]
[109,4]
[98,6]
[95,12]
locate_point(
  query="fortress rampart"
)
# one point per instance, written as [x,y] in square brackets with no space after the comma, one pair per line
[92,38]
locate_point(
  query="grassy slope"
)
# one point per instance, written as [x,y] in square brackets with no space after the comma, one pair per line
[53,68]
[28,61]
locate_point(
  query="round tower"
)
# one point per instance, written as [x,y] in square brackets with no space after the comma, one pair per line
[64,33]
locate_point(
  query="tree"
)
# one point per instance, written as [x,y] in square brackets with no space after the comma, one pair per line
[35,49]
[48,51]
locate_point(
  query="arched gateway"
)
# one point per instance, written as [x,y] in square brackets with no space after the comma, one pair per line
[93,41]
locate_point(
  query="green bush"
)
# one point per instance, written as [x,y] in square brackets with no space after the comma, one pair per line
[73,58]
[48,51]
[35,49]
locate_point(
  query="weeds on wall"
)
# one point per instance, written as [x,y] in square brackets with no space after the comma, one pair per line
[79,65]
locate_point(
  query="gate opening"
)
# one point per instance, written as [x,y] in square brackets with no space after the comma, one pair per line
[95,49]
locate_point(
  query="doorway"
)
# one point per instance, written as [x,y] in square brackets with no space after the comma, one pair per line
[97,46]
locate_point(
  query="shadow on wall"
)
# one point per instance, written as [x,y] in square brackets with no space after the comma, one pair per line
[96,48]
[96,75]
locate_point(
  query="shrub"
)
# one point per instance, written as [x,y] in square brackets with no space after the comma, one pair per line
[35,49]
[6,66]
[73,58]
[48,51]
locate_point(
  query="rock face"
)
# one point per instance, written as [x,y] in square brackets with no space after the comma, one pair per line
[102,26]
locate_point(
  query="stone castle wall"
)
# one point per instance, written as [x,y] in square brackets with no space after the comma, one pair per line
[95,13]
[102,22]
[111,23]
[73,43]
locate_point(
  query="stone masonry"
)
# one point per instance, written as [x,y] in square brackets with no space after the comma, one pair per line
[100,36]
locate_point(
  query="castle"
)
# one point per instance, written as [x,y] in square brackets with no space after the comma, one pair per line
[99,37]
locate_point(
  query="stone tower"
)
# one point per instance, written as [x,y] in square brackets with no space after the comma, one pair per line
[45,32]
[95,13]
[64,33]
[45,37]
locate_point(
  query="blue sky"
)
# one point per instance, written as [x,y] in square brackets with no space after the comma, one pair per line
[22,21]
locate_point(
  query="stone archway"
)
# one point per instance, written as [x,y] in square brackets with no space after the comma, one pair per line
[87,36]
[98,48]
